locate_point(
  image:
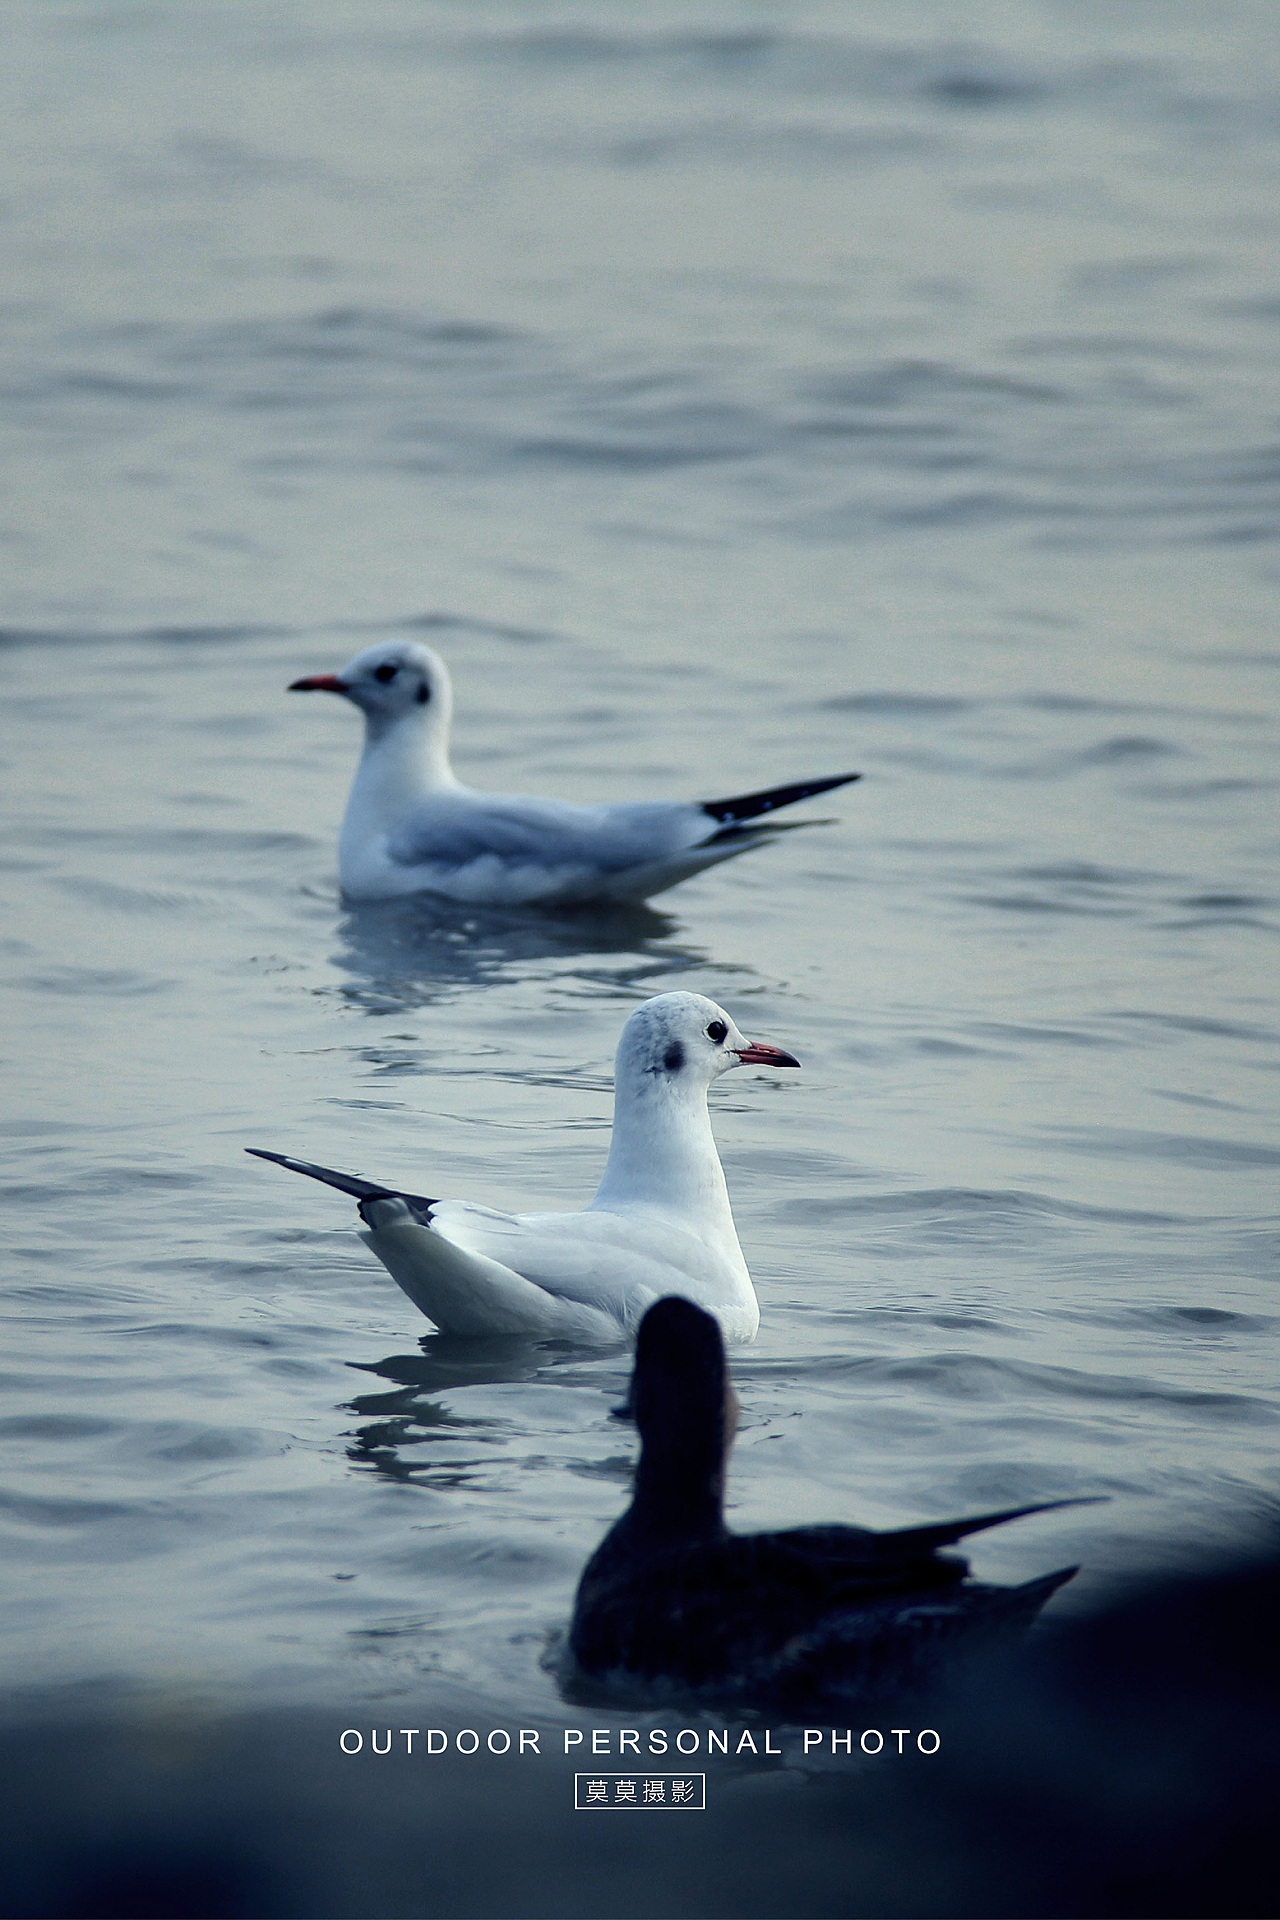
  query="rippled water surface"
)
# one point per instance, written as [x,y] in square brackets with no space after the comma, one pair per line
[731,393]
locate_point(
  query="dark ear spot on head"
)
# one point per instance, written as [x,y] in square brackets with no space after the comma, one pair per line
[673,1058]
[423,694]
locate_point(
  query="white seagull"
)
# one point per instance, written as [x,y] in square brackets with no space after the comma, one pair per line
[411,826]
[660,1222]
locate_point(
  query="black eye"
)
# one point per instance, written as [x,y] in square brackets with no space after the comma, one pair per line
[385,673]
[717,1031]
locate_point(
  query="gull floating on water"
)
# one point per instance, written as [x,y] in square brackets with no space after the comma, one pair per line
[672,1598]
[412,827]
[660,1222]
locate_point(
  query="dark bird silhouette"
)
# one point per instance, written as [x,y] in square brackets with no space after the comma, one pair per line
[672,1599]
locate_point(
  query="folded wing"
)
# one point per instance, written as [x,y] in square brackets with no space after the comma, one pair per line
[515,846]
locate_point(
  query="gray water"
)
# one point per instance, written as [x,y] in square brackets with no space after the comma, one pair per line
[732,393]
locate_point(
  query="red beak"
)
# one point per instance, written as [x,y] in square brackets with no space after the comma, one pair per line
[759,1054]
[318,683]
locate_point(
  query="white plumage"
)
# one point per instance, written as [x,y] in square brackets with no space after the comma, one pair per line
[411,826]
[660,1222]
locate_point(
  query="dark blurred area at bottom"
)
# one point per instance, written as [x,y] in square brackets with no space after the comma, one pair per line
[1123,1765]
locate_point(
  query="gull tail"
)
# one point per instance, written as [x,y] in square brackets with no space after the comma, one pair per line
[749,806]
[945,1533]
[361,1190]
[464,1293]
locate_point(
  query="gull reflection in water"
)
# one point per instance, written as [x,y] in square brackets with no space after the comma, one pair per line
[399,954]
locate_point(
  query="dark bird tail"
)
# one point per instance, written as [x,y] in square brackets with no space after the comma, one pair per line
[1001,1609]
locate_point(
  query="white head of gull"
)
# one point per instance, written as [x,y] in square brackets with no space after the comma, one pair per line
[660,1222]
[411,826]
[671,1600]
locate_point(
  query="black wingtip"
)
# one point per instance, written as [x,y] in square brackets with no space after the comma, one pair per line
[345,1182]
[749,806]
[361,1190]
